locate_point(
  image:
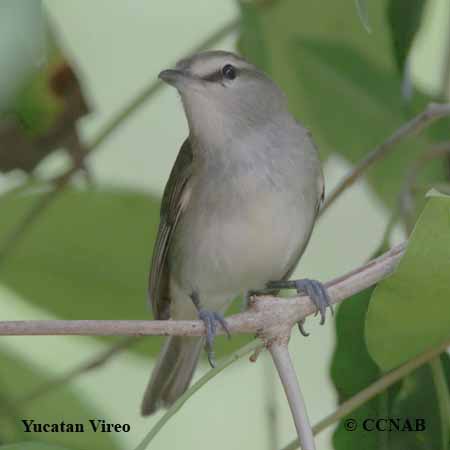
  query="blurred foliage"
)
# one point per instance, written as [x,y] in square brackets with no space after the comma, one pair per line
[43,115]
[62,404]
[32,446]
[412,398]
[419,288]
[372,323]
[21,54]
[88,256]
[341,82]
[40,104]
[404,17]
[251,38]
[419,398]
[352,371]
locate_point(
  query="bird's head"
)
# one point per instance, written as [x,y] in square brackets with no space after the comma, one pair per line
[223,94]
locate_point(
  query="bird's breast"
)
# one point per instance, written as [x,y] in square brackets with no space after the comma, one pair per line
[239,233]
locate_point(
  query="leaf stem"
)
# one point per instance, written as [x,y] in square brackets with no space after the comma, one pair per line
[443,398]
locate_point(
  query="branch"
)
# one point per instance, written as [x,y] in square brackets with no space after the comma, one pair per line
[432,112]
[271,404]
[265,311]
[282,360]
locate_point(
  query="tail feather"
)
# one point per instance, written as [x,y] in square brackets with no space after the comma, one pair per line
[172,374]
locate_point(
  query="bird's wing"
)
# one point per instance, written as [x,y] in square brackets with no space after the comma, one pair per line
[175,199]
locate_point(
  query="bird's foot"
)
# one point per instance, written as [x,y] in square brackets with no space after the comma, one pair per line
[316,291]
[209,318]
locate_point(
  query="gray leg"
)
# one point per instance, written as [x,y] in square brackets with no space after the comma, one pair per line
[209,318]
[314,289]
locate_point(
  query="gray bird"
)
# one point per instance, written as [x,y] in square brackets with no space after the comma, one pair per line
[237,212]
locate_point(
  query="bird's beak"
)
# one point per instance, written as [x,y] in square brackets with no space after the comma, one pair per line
[174,77]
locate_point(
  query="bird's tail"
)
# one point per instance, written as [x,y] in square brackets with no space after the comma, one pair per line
[173,372]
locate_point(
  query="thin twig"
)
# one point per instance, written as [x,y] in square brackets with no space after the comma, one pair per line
[374,389]
[60,182]
[282,360]
[264,312]
[442,396]
[432,112]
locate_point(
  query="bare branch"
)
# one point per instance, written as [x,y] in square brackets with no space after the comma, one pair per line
[271,404]
[432,112]
[265,312]
[282,360]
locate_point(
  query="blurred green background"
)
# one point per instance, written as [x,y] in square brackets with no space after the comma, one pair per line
[87,256]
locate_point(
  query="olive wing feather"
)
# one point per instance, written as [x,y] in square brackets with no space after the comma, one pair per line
[172,206]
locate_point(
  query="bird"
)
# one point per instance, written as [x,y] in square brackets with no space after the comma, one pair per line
[237,211]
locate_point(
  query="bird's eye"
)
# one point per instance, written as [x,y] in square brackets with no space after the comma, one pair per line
[229,72]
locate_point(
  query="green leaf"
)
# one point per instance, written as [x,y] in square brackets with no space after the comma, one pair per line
[409,311]
[251,41]
[363,13]
[352,371]
[342,84]
[404,17]
[415,397]
[88,256]
[21,53]
[418,399]
[16,379]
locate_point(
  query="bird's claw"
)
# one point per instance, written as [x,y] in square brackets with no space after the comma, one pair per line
[316,291]
[300,325]
[209,318]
